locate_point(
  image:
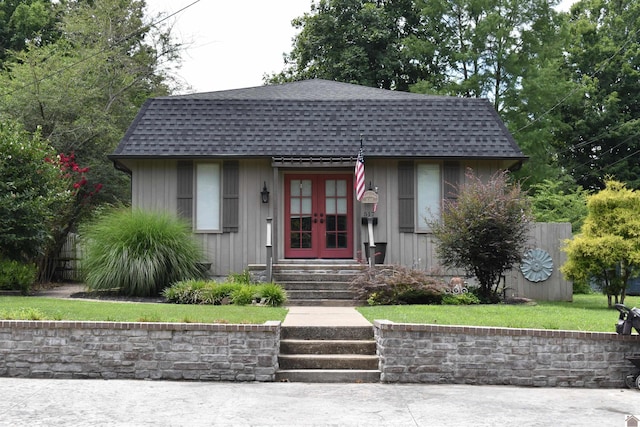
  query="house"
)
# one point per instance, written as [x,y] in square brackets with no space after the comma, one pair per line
[228,160]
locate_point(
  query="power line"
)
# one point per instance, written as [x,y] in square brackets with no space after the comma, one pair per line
[100,52]
[571,93]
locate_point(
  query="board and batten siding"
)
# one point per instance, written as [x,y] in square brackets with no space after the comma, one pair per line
[155,187]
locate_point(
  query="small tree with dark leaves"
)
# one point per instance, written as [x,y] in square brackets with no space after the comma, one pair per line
[484,230]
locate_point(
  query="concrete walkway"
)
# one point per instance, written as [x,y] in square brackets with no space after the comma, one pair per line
[324,316]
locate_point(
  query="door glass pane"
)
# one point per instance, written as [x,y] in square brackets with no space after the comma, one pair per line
[342,223]
[330,206]
[331,223]
[306,188]
[306,223]
[342,240]
[331,241]
[341,188]
[330,188]
[306,206]
[342,206]
[295,206]
[295,187]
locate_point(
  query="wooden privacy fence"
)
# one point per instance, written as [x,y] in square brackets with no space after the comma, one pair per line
[68,263]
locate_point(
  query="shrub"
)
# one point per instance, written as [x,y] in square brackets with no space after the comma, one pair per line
[460,299]
[210,292]
[139,253]
[16,276]
[271,294]
[397,285]
[484,230]
[243,295]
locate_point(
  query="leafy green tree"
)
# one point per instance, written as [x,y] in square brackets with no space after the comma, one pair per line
[554,201]
[31,192]
[608,248]
[484,231]
[81,91]
[355,41]
[24,21]
[603,55]
[84,89]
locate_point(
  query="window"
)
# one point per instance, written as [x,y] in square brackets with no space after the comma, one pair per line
[210,194]
[207,197]
[420,192]
[428,193]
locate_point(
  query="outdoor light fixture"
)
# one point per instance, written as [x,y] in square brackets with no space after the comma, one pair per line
[264,194]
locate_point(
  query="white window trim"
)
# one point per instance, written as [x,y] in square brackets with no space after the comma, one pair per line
[211,191]
[430,201]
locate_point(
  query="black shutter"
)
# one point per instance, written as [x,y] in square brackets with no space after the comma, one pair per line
[185,190]
[230,196]
[451,180]
[406,205]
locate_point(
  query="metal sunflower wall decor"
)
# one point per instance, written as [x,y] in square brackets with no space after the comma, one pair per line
[537,265]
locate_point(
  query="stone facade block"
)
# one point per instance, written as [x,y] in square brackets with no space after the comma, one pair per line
[110,350]
[523,357]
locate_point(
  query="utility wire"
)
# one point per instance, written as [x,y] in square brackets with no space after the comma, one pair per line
[600,69]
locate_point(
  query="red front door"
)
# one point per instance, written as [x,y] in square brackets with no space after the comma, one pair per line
[318,216]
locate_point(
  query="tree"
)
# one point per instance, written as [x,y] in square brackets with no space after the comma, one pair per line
[84,89]
[607,250]
[555,201]
[25,21]
[31,192]
[355,41]
[81,91]
[603,55]
[484,231]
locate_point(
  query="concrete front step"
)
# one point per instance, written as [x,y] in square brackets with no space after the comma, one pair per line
[328,376]
[309,285]
[318,294]
[313,276]
[328,347]
[323,303]
[328,354]
[364,333]
[328,361]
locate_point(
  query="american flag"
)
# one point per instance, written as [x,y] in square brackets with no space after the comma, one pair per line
[359,186]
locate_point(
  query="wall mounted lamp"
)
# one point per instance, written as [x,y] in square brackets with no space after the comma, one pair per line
[264,194]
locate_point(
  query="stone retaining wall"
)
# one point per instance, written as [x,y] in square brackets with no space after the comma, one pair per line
[110,350]
[411,353]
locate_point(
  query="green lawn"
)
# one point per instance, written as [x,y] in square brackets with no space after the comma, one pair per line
[36,308]
[585,313]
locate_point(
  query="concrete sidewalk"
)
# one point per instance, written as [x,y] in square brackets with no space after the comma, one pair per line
[43,402]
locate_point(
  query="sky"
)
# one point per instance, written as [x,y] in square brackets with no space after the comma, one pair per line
[232,44]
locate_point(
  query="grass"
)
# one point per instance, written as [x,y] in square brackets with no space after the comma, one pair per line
[32,308]
[585,313]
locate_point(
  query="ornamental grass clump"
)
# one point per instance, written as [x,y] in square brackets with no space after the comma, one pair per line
[139,253]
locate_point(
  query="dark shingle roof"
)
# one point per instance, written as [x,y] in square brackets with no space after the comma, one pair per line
[317,118]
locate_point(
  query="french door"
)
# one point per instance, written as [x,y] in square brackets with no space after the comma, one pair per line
[318,216]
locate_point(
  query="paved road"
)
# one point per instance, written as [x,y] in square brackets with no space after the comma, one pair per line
[37,402]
